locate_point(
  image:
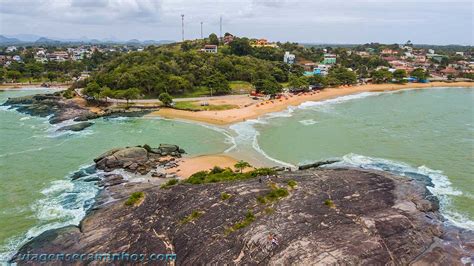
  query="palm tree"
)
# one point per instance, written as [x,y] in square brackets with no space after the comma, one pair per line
[241,165]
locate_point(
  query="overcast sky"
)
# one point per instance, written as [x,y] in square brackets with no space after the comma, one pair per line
[319,21]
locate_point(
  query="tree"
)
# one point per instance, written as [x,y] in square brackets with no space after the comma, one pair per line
[131,94]
[343,75]
[240,46]
[217,83]
[92,89]
[268,86]
[381,75]
[241,165]
[213,39]
[105,93]
[13,75]
[298,83]
[166,99]
[399,75]
[420,74]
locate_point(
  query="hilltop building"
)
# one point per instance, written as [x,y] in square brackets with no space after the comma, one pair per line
[289,58]
[329,59]
[210,48]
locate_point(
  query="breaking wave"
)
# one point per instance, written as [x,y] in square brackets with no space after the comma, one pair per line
[65,202]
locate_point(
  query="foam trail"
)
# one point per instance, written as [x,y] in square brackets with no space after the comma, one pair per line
[441,186]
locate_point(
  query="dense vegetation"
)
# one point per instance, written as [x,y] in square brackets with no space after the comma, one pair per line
[218,174]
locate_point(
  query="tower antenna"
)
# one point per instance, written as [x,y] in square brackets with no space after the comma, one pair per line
[182,26]
[220,28]
[201,31]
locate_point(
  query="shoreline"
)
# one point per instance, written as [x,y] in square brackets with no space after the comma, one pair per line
[32,86]
[227,117]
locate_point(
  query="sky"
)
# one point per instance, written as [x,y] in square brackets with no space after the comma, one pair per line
[304,21]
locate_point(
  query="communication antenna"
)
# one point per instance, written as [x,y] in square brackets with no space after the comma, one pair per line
[201,31]
[182,26]
[220,28]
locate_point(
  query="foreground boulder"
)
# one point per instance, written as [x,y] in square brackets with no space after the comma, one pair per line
[327,216]
[138,159]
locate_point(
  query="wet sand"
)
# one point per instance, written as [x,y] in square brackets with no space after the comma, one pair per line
[189,166]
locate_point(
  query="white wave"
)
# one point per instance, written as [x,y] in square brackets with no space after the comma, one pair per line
[308,122]
[442,187]
[25,118]
[65,203]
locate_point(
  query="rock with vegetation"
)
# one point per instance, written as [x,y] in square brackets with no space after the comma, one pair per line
[313,216]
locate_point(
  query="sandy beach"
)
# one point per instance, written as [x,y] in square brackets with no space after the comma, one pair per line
[189,166]
[257,109]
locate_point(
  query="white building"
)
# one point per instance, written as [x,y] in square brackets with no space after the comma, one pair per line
[210,48]
[16,58]
[431,51]
[289,58]
[11,49]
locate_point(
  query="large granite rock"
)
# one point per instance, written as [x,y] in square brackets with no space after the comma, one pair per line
[373,219]
[137,159]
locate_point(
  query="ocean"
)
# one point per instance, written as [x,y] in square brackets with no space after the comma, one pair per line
[427,133]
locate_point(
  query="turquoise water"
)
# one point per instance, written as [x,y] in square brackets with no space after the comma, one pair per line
[35,161]
[415,133]
[426,133]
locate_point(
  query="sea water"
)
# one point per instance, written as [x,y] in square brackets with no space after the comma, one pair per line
[36,192]
[428,133]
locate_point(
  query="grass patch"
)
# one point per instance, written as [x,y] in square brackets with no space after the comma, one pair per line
[170,183]
[193,216]
[269,210]
[249,218]
[261,200]
[225,196]
[134,198]
[277,193]
[292,183]
[241,86]
[196,106]
[329,203]
[204,177]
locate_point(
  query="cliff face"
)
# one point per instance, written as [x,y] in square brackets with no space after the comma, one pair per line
[329,216]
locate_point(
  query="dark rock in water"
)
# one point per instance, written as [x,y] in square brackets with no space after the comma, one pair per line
[43,105]
[316,164]
[76,127]
[332,216]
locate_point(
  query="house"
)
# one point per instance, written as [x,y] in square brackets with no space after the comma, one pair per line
[4,59]
[436,57]
[389,52]
[289,58]
[321,69]
[58,56]
[329,59]
[11,49]
[263,43]
[16,58]
[431,51]
[363,53]
[210,48]
[460,53]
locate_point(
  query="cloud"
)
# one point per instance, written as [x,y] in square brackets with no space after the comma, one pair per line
[294,20]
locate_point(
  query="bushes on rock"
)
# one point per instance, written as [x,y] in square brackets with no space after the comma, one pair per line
[227,174]
[249,218]
[134,198]
[193,216]
[292,183]
[170,183]
[225,196]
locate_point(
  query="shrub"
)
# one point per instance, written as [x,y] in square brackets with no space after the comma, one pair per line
[170,183]
[249,218]
[292,183]
[134,198]
[225,196]
[261,200]
[227,174]
[216,170]
[329,203]
[277,193]
[193,216]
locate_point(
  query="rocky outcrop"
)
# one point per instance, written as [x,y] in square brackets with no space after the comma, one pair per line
[59,108]
[138,159]
[76,127]
[330,216]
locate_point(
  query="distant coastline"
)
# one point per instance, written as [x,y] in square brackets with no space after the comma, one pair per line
[227,117]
